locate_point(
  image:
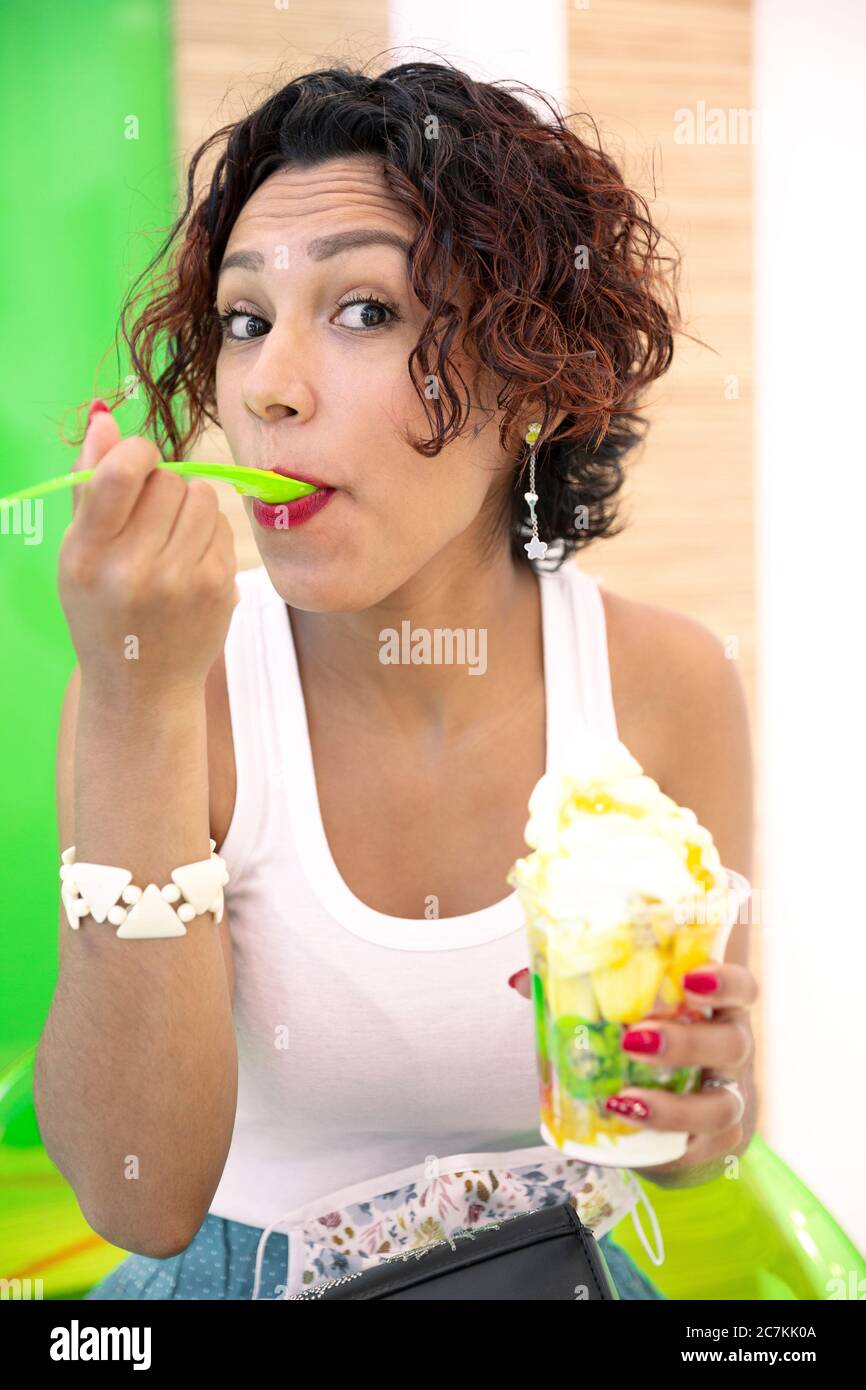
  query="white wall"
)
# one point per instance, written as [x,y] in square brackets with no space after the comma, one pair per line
[492,40]
[811,487]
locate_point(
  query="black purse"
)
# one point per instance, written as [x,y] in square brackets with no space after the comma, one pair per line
[543,1254]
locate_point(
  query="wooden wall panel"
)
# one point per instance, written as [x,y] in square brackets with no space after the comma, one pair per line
[635,66]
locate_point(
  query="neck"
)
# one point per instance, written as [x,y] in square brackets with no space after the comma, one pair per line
[415,661]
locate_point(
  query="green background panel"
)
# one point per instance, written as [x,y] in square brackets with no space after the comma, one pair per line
[85,209]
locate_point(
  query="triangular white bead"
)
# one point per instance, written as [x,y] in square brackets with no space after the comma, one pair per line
[152,916]
[200,882]
[100,885]
[68,897]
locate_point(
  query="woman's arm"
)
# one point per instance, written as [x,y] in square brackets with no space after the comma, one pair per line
[135,1076]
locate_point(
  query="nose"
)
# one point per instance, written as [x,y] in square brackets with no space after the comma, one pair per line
[275,384]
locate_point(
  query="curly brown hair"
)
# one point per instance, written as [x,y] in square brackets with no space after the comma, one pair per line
[569,303]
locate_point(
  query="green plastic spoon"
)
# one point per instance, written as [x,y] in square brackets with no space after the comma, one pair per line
[249,482]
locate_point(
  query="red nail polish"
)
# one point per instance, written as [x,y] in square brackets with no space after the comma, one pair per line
[95,407]
[642,1040]
[632,1106]
[701,982]
[518,975]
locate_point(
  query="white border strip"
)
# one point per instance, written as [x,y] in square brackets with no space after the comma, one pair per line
[811,490]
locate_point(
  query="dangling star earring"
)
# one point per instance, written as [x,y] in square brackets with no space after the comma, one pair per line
[535,548]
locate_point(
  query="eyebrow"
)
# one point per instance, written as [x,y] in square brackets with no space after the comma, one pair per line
[323,247]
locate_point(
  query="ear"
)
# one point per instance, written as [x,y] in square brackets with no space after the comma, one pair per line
[537,417]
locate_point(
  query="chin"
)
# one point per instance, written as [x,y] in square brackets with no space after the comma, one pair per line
[337,586]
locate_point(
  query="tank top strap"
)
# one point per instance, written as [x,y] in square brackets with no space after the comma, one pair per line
[584,613]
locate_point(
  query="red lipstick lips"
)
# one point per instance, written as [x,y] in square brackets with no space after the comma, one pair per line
[293,473]
[287,516]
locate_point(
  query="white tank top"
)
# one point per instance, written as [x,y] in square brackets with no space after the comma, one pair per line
[367,1043]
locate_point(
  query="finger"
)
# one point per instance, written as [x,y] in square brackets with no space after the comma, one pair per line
[223,543]
[739,1084]
[102,434]
[735,985]
[521,982]
[195,523]
[703,1148]
[111,498]
[725,1042]
[160,502]
[705,1112]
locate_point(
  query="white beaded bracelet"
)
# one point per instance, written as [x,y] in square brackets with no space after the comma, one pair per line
[97,890]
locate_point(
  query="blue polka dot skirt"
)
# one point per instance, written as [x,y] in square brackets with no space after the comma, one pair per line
[220,1262]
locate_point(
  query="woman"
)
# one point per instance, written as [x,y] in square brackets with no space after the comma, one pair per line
[388,282]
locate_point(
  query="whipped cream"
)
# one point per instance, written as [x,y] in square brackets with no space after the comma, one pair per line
[607,840]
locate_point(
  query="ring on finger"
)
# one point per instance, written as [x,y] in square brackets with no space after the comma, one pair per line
[727,1083]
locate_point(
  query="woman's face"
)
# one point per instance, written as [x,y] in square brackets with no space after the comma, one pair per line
[309,381]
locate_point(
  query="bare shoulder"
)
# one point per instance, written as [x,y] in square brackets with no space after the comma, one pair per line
[681,710]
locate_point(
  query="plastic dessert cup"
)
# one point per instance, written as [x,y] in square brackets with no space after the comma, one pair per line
[584,1001]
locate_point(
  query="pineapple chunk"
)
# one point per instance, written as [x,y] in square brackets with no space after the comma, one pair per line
[627,992]
[573,994]
[691,947]
[670,990]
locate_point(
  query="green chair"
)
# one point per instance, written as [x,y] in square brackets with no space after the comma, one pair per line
[760,1235]
[45,1242]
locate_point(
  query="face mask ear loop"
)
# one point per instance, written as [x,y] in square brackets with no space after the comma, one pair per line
[260,1253]
[656,1256]
[294,1260]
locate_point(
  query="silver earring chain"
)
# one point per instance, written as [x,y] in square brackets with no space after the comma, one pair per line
[535,548]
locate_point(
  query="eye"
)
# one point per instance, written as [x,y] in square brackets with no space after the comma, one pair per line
[371,304]
[226,318]
[378,304]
